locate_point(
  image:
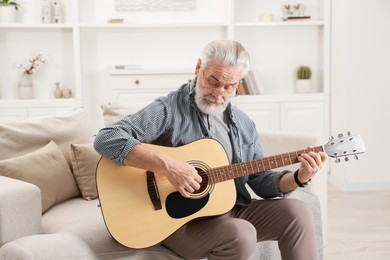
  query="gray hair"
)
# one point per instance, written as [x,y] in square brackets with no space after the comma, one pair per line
[227,52]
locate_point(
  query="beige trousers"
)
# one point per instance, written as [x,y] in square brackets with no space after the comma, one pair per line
[234,235]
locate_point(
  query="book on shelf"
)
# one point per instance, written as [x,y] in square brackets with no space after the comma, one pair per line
[251,84]
[242,88]
[297,18]
[128,67]
[116,20]
[258,82]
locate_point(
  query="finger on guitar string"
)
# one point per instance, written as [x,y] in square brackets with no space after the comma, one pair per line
[198,178]
[319,157]
[189,189]
[310,162]
[306,171]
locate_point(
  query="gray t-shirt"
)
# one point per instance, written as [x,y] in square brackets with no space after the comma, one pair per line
[219,130]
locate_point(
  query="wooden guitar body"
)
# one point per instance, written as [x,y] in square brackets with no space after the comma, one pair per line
[126,204]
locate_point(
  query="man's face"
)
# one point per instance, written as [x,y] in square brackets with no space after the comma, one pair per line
[215,85]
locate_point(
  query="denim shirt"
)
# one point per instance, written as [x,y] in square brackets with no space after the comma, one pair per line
[175,120]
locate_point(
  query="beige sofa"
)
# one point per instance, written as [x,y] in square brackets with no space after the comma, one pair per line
[48,208]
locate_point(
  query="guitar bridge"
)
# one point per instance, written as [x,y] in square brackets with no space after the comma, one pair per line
[153,190]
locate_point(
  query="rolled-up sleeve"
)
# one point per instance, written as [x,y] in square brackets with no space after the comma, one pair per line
[117,140]
[265,184]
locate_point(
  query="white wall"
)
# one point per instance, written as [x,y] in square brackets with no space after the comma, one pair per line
[360,89]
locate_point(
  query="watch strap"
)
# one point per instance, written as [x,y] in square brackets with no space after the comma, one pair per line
[297,181]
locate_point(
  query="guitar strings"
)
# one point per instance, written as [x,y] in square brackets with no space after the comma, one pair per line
[232,171]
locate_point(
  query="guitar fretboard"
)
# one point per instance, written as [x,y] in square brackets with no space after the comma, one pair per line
[224,173]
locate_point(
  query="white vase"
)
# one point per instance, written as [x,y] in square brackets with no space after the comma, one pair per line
[303,86]
[57,15]
[7,14]
[57,90]
[46,11]
[26,87]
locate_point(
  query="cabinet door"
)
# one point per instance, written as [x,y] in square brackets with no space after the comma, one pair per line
[142,89]
[305,117]
[157,83]
[265,116]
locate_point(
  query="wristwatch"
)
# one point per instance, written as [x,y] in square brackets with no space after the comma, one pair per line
[300,184]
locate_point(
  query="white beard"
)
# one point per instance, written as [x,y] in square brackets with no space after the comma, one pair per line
[218,106]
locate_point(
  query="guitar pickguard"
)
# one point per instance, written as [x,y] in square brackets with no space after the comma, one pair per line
[179,207]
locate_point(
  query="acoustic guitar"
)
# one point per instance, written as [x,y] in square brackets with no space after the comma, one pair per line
[141,209]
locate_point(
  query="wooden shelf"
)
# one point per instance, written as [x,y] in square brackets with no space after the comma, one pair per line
[281,23]
[60,102]
[36,26]
[151,25]
[311,97]
[150,71]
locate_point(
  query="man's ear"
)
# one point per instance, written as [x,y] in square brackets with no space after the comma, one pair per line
[198,66]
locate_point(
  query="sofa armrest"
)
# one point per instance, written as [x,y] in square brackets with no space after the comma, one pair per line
[280,142]
[20,209]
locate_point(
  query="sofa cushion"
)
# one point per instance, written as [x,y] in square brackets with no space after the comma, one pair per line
[84,160]
[24,136]
[90,239]
[45,168]
[116,110]
[68,246]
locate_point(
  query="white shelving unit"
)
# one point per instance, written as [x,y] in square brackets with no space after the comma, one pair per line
[277,48]
[82,51]
[59,43]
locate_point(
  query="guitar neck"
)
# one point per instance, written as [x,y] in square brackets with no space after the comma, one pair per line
[224,173]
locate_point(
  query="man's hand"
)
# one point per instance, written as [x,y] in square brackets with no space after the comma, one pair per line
[183,176]
[311,163]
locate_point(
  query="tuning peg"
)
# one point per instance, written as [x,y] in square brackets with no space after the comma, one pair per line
[337,160]
[356,157]
[331,138]
[346,159]
[340,135]
[349,133]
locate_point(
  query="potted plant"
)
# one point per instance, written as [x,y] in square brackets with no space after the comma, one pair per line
[303,83]
[8,10]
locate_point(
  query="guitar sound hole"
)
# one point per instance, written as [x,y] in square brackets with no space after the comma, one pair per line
[205,181]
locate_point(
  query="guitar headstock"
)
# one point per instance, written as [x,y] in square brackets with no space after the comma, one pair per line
[344,146]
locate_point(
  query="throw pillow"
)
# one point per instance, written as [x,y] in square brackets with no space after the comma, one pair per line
[24,136]
[116,110]
[47,169]
[84,160]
